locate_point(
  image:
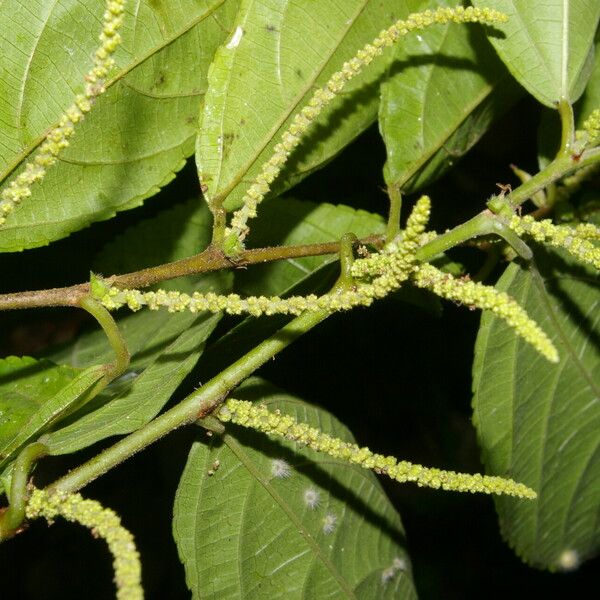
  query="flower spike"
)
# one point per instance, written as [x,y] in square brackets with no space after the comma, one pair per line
[103,523]
[58,137]
[258,417]
[292,136]
[574,240]
[486,297]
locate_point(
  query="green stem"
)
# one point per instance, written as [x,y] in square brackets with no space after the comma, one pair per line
[481,224]
[212,259]
[557,169]
[393,224]
[113,333]
[200,403]
[219,226]
[347,243]
[12,517]
[195,406]
[485,223]
[567,121]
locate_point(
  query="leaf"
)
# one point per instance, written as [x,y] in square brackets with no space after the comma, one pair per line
[173,234]
[164,347]
[590,100]
[34,395]
[134,399]
[243,533]
[282,51]
[139,132]
[540,423]
[444,88]
[550,54]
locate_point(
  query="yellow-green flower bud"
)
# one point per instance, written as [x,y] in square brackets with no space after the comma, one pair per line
[573,240]
[258,417]
[103,523]
[485,297]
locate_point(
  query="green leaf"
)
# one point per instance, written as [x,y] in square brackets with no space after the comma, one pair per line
[288,222]
[34,395]
[539,423]
[282,51]
[139,132]
[590,100]
[445,87]
[243,533]
[134,399]
[164,347]
[548,48]
[173,234]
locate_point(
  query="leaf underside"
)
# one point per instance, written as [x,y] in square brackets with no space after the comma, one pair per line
[548,46]
[243,533]
[283,51]
[540,423]
[139,132]
[444,88]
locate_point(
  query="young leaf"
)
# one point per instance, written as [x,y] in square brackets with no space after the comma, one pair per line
[282,51]
[548,48]
[444,88]
[539,423]
[139,132]
[36,394]
[135,398]
[257,518]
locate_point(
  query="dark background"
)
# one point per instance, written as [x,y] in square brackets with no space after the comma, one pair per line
[421,411]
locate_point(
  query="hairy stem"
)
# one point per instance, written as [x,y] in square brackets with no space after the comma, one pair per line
[12,517]
[201,402]
[567,121]
[393,223]
[211,259]
[113,333]
[560,167]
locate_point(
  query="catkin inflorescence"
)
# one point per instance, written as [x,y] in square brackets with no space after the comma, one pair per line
[474,294]
[591,126]
[374,277]
[103,523]
[387,275]
[575,240]
[58,137]
[258,417]
[324,95]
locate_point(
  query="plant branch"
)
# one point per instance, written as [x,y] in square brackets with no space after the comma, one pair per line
[201,402]
[113,333]
[211,259]
[560,167]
